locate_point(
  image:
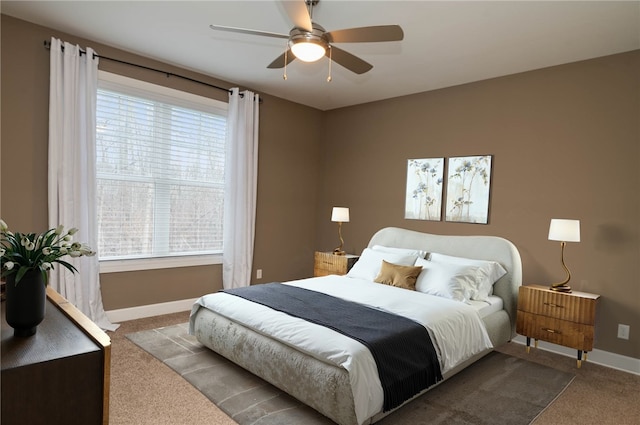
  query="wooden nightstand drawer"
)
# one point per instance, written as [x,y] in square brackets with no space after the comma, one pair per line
[325,263]
[575,307]
[570,334]
[557,317]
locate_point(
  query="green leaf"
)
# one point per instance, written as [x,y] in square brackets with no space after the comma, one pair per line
[21,272]
[50,237]
[68,266]
[45,277]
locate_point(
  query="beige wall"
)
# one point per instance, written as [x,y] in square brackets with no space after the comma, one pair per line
[288,168]
[565,143]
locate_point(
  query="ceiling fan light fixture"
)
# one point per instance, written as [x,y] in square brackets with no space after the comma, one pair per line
[308,41]
[308,50]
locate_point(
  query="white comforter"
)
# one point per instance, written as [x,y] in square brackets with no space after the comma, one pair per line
[456,329]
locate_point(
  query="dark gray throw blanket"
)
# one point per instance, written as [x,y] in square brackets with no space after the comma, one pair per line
[402,349]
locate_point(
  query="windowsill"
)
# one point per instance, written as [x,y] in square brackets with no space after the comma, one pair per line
[116,266]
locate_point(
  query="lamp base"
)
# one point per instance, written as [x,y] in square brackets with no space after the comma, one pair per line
[561,288]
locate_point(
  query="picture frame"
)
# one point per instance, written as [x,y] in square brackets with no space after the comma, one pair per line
[423,199]
[468,189]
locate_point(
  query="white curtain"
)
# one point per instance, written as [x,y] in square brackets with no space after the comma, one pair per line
[241,180]
[72,174]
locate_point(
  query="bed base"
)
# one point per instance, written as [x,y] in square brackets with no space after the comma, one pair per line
[324,387]
[292,371]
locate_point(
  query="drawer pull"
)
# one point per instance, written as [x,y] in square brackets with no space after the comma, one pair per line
[551,331]
[553,305]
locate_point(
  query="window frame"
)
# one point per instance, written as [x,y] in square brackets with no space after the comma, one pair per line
[139,87]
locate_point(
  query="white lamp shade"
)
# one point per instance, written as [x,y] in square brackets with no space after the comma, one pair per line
[340,214]
[308,51]
[564,230]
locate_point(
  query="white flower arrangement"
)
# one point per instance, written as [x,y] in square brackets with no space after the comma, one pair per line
[22,252]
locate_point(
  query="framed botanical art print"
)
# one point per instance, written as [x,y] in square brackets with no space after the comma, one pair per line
[424,189]
[468,189]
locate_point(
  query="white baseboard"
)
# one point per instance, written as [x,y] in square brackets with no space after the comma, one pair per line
[604,358]
[132,313]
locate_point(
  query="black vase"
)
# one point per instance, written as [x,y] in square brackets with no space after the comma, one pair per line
[25,302]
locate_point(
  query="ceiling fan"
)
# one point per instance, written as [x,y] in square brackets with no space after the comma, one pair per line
[309,42]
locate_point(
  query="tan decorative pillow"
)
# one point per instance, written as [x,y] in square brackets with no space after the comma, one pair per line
[398,276]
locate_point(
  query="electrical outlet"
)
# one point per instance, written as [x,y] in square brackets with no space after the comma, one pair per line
[623,331]
[259,274]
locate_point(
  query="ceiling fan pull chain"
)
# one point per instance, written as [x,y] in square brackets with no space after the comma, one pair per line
[284,76]
[329,77]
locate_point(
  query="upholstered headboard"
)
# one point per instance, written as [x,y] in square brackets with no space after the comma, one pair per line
[479,247]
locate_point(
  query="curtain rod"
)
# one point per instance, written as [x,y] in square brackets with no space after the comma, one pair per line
[47,45]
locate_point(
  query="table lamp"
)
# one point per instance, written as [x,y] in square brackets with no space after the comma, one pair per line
[340,215]
[564,230]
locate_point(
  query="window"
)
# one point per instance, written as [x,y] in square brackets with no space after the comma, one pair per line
[160,173]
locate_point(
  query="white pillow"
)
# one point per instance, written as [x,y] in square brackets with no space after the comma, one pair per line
[490,272]
[445,280]
[370,262]
[406,251]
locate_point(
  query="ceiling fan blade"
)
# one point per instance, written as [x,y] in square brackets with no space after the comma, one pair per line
[246,31]
[367,34]
[298,13]
[349,61]
[279,61]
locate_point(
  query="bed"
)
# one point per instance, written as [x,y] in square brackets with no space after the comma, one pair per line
[335,374]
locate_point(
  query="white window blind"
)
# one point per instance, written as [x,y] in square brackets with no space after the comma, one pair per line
[160,171]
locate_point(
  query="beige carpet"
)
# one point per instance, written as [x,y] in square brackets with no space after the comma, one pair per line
[598,395]
[144,391]
[499,389]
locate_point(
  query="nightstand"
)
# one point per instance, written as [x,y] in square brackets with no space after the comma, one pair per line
[326,263]
[566,319]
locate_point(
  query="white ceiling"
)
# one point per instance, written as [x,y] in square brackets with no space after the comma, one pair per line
[446,43]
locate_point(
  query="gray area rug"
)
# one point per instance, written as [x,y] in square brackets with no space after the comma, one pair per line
[498,389]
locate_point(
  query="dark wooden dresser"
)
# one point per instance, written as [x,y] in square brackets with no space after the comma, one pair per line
[58,376]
